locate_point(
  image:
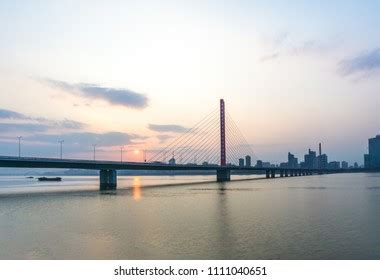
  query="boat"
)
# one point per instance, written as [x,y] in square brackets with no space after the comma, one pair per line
[54,179]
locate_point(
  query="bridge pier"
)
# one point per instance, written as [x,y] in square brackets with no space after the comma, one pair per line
[223,175]
[108,179]
[267,174]
[281,173]
[299,173]
[286,173]
[273,173]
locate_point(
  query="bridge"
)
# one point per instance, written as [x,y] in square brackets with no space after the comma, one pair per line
[217,146]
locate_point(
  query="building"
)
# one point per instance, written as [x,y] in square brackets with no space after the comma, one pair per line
[322,159]
[172,161]
[334,165]
[356,165]
[292,161]
[344,165]
[259,164]
[366,161]
[311,159]
[266,164]
[372,159]
[241,162]
[248,161]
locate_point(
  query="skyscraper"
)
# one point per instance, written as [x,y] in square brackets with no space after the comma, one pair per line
[311,159]
[292,161]
[372,159]
[248,161]
[322,159]
[344,165]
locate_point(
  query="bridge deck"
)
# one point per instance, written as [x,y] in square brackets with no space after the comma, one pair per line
[30,162]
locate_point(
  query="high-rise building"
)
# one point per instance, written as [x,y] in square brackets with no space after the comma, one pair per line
[248,161]
[259,164]
[367,164]
[372,159]
[322,160]
[344,165]
[311,159]
[292,161]
[241,162]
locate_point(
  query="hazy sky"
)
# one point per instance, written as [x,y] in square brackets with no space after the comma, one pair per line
[137,73]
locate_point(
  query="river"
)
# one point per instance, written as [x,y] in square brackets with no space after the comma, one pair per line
[333,216]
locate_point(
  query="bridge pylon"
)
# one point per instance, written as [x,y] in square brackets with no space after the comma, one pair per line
[108,179]
[223,174]
[222,134]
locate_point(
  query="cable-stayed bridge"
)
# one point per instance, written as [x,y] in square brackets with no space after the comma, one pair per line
[215,143]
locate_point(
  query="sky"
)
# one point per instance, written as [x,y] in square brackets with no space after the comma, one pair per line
[139,73]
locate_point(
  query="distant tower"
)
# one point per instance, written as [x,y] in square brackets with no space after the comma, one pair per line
[320,149]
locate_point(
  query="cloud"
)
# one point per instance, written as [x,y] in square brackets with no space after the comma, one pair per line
[23,127]
[86,139]
[37,124]
[167,128]
[114,96]
[7,114]
[365,62]
[268,57]
[68,124]
[164,137]
[284,45]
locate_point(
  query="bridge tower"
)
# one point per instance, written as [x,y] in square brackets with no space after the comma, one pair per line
[222,174]
[222,134]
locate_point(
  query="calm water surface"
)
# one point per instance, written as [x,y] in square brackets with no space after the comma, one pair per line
[314,217]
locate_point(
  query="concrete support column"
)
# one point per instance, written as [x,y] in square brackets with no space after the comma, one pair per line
[299,173]
[286,173]
[267,174]
[304,173]
[108,179]
[273,173]
[281,173]
[223,175]
[291,173]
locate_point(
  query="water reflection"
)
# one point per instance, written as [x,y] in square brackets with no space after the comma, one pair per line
[225,234]
[136,188]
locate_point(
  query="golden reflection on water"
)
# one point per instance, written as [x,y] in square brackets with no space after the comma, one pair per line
[136,188]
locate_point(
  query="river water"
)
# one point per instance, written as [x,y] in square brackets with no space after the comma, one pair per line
[314,217]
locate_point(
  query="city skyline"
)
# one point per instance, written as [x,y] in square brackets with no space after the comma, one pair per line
[146,75]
